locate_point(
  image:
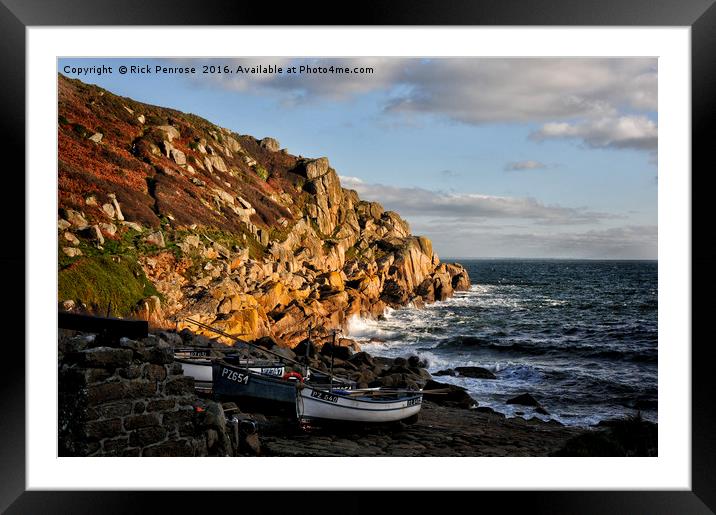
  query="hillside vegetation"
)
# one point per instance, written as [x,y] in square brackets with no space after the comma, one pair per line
[164,215]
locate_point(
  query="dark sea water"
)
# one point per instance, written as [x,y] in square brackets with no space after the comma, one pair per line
[580,336]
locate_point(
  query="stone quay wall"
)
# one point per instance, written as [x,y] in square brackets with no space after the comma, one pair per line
[129,398]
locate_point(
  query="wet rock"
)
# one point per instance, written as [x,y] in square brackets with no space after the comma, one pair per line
[350,343]
[487,410]
[336,351]
[400,362]
[416,362]
[363,360]
[448,395]
[524,399]
[305,348]
[475,372]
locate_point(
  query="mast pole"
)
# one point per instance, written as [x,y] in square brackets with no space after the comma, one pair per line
[333,350]
[309,343]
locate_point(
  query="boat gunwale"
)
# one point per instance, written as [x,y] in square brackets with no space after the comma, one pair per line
[359,399]
[342,406]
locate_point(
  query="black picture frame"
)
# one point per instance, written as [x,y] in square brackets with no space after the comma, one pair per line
[700,15]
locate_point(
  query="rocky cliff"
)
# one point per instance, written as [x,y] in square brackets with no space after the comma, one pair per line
[164,215]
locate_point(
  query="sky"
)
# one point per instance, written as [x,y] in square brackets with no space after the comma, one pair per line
[488,157]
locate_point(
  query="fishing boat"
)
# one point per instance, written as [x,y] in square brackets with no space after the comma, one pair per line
[236,380]
[197,363]
[368,405]
[231,381]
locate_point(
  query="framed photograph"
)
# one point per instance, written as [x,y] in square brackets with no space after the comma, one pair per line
[262,248]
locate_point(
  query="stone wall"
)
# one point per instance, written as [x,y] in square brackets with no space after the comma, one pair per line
[129,398]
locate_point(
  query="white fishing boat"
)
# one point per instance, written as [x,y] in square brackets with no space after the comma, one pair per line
[369,405]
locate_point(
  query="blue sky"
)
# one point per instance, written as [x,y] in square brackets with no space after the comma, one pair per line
[487,157]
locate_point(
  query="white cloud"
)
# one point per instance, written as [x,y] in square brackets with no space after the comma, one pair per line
[475,225]
[421,202]
[596,100]
[353,181]
[471,90]
[514,90]
[525,165]
[465,239]
[636,132]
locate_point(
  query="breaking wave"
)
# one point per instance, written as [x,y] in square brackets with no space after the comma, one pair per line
[581,338]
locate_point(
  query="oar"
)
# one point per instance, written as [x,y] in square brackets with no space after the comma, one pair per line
[371,391]
[437,391]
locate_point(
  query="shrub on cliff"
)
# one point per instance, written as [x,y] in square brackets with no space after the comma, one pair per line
[80,130]
[99,281]
[262,172]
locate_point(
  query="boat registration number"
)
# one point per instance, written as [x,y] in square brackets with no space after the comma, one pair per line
[273,371]
[414,402]
[237,377]
[324,396]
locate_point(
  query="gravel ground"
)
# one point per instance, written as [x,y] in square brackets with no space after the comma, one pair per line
[440,431]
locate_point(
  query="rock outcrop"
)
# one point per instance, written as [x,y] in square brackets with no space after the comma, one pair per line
[223,228]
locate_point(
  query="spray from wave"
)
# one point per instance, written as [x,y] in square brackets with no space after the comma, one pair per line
[581,338]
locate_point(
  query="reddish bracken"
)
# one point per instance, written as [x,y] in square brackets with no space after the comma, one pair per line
[151,185]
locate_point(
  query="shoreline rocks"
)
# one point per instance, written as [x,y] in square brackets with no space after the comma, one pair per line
[473,372]
[131,399]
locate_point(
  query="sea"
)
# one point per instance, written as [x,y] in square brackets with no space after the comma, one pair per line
[580,336]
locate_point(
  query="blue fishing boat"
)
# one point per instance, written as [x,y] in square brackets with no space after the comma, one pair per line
[231,381]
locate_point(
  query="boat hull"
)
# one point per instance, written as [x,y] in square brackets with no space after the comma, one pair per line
[201,369]
[239,382]
[319,404]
